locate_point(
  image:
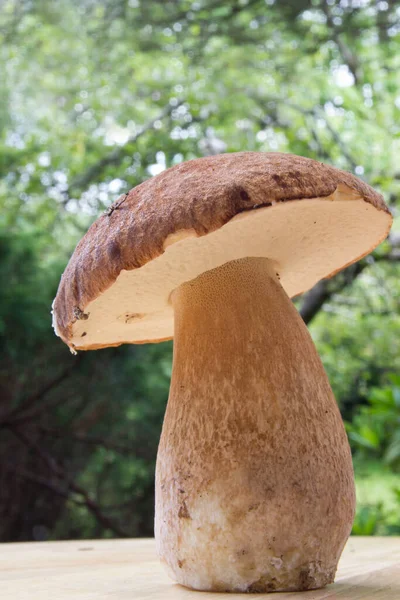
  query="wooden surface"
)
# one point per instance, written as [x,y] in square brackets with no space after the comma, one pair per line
[129,570]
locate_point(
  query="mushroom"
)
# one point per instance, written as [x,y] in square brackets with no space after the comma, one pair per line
[254,478]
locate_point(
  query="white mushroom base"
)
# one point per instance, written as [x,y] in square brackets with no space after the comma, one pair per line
[233,548]
[254,480]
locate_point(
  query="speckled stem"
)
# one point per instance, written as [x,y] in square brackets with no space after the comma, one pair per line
[254,481]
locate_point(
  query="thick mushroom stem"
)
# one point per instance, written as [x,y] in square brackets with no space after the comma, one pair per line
[254,482]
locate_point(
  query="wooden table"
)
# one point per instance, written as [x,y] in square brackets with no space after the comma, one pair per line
[129,570]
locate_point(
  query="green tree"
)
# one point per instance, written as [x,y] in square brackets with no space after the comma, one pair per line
[98,96]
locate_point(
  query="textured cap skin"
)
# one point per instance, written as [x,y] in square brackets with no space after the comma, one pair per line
[200,195]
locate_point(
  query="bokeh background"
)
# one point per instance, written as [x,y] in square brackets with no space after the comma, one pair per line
[98,95]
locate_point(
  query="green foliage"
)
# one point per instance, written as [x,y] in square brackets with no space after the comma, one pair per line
[96,97]
[29,283]
[378,499]
[127,418]
[368,520]
[358,336]
[375,429]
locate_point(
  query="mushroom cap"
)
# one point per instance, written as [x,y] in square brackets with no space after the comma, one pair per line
[310,219]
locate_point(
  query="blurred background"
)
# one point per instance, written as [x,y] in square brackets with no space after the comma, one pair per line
[98,95]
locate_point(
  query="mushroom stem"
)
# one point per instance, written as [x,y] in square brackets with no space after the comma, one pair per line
[254,481]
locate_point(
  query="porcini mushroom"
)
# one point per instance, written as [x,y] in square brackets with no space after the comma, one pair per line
[254,480]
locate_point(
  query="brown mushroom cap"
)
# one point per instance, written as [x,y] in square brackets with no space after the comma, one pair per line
[310,219]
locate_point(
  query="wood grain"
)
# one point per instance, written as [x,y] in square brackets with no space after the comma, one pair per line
[129,570]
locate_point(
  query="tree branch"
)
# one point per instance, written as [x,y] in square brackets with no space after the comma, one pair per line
[314,113]
[117,155]
[49,485]
[347,55]
[325,289]
[22,412]
[314,300]
[90,440]
[57,470]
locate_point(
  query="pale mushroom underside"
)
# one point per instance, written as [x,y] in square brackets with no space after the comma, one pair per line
[307,240]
